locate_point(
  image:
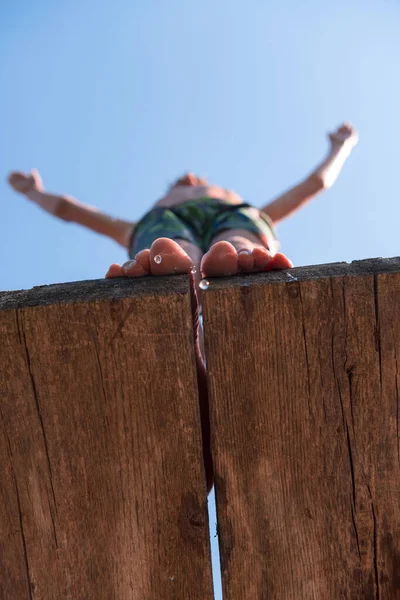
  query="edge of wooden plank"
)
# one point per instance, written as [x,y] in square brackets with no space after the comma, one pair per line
[118,288]
[370,266]
[94,291]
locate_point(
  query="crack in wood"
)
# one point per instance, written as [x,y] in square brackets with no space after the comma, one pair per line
[22,337]
[21,527]
[377,327]
[306,355]
[375,548]
[349,370]
[353,518]
[337,383]
[350,380]
[349,373]
[353,482]
[100,369]
[202,386]
[23,536]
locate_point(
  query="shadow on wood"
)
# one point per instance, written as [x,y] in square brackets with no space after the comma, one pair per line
[102,489]
[303,370]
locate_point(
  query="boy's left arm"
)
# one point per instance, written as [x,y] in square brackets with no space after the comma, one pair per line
[323,177]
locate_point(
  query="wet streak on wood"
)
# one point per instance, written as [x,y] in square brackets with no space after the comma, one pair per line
[304,402]
[102,489]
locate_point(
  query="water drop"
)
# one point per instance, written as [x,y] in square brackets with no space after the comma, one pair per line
[157,259]
[193,270]
[291,276]
[204,284]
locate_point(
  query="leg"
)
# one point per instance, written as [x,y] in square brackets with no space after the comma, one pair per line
[240,250]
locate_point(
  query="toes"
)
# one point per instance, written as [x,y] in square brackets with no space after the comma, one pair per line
[168,257]
[139,266]
[245,260]
[262,258]
[279,261]
[115,270]
[132,268]
[143,258]
[220,260]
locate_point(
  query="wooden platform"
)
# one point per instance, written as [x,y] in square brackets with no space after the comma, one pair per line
[102,491]
[303,380]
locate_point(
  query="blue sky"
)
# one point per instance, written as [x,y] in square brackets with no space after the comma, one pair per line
[111,101]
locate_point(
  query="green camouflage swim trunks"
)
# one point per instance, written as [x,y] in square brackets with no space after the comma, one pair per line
[199,221]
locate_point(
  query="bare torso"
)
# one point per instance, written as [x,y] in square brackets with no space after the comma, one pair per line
[182,193]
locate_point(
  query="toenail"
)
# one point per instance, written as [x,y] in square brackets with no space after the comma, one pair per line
[245,251]
[128,265]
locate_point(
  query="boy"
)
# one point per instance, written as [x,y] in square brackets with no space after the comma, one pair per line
[197,224]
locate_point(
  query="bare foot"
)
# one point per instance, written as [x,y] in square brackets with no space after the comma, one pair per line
[165,257]
[223,259]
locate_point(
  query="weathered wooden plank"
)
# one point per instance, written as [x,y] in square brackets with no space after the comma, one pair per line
[303,389]
[102,488]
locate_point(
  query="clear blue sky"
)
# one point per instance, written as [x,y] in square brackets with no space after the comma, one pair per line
[111,101]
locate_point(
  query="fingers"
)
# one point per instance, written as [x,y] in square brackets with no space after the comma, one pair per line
[36,175]
[345,134]
[25,182]
[17,180]
[37,179]
[15,176]
[346,128]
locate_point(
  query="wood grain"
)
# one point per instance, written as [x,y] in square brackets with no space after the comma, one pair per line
[102,488]
[303,386]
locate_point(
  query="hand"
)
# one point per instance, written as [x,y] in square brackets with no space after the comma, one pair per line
[23,183]
[345,134]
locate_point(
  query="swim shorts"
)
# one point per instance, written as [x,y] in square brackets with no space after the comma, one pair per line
[199,221]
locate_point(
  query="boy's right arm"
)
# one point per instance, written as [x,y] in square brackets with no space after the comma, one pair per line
[70,209]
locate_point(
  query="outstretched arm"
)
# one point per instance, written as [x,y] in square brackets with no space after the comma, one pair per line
[69,209]
[323,177]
